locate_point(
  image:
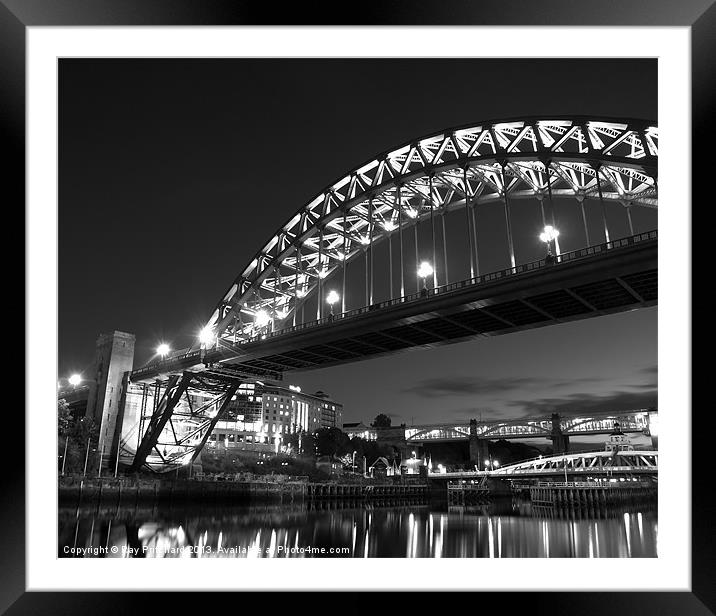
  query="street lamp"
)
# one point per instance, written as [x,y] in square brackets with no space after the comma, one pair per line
[548,236]
[332,298]
[424,271]
[163,350]
[491,464]
[206,336]
[261,318]
[75,380]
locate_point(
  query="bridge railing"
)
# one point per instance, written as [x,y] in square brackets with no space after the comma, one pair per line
[461,284]
[583,484]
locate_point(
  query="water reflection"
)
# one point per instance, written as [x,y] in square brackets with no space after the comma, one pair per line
[503,529]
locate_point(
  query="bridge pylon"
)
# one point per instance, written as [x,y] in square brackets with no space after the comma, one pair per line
[560,441]
[477,447]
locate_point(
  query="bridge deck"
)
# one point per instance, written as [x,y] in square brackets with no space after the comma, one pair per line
[608,278]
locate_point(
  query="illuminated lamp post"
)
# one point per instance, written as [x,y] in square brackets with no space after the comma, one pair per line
[548,236]
[424,271]
[261,319]
[332,298]
[75,380]
[206,338]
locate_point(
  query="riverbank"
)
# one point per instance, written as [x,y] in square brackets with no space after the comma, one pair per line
[131,492]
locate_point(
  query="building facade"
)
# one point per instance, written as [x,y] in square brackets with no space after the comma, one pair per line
[263,413]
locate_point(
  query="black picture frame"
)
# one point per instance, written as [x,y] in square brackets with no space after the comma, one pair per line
[700,15]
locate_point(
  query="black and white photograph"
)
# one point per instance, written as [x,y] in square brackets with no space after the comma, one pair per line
[314,305]
[358,308]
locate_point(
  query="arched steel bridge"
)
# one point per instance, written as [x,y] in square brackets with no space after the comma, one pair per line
[260,328]
[575,157]
[389,197]
[583,464]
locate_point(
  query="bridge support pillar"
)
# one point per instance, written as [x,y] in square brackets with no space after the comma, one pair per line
[114,355]
[477,447]
[560,441]
[560,444]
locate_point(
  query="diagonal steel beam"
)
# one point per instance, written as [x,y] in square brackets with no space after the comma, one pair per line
[230,391]
[175,389]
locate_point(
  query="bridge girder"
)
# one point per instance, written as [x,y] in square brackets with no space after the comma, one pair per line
[593,463]
[181,419]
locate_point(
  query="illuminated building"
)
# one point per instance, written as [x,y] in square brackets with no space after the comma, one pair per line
[262,413]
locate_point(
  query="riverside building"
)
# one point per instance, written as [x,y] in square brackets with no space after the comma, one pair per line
[262,413]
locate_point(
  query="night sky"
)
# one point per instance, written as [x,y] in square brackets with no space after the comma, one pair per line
[173,173]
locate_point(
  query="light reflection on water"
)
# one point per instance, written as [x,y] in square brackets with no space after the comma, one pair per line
[500,530]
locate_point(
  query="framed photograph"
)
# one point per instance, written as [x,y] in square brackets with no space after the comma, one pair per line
[386,297]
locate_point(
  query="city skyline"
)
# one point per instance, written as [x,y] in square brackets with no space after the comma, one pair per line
[135,137]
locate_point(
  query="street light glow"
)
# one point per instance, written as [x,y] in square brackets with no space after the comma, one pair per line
[163,349]
[75,380]
[425,270]
[549,234]
[389,225]
[206,335]
[332,297]
[261,318]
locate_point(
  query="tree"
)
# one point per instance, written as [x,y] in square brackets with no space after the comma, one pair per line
[301,443]
[332,442]
[64,417]
[371,450]
[75,439]
[381,421]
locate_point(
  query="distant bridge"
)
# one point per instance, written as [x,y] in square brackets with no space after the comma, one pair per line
[597,464]
[587,424]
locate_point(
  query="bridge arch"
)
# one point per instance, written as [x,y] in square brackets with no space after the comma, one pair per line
[538,428]
[572,157]
[438,433]
[627,421]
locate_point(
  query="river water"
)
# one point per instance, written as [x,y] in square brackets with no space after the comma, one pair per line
[506,528]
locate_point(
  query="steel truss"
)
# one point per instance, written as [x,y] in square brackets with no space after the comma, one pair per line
[605,463]
[587,463]
[565,157]
[185,411]
[635,421]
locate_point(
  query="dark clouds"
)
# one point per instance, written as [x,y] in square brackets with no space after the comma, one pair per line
[469,385]
[578,403]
